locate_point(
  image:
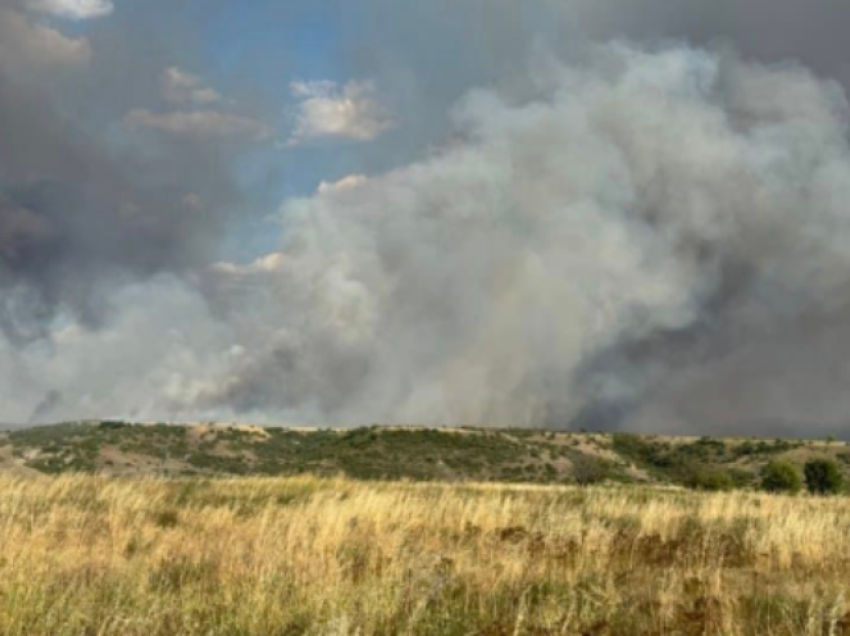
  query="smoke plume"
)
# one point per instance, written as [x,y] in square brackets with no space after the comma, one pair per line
[650,218]
[644,234]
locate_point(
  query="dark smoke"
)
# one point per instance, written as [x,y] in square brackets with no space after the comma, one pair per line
[78,215]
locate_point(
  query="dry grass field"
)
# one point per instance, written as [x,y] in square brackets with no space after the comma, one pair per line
[84,555]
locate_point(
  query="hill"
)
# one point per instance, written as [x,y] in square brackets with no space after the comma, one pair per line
[465,454]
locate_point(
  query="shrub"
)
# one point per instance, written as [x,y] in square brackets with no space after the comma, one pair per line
[741,478]
[779,476]
[701,477]
[589,470]
[111,425]
[166,518]
[823,477]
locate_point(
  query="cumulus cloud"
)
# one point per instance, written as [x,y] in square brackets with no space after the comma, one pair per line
[327,110]
[200,124]
[351,181]
[196,117]
[26,45]
[181,88]
[73,9]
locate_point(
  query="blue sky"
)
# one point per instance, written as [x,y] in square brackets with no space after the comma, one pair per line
[418,61]
[264,47]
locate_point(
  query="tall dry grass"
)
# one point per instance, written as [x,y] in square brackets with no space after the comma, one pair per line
[89,555]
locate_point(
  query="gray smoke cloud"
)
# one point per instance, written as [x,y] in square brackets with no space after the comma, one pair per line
[647,234]
[78,213]
[655,218]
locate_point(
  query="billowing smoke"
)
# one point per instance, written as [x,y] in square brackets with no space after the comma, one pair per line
[80,212]
[634,234]
[648,217]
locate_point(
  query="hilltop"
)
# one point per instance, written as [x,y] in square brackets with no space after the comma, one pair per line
[464,454]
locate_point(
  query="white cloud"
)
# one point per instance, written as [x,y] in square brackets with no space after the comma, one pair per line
[196,115]
[181,88]
[25,44]
[73,9]
[346,183]
[328,110]
[200,124]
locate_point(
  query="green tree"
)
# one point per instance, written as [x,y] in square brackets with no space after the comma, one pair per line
[823,477]
[780,476]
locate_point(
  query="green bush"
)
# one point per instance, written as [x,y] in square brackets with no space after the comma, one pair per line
[701,477]
[780,476]
[823,477]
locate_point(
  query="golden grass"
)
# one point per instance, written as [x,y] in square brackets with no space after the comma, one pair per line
[89,555]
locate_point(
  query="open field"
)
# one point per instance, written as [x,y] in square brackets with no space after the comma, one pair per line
[303,555]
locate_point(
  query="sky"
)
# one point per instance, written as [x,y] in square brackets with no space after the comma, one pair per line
[627,215]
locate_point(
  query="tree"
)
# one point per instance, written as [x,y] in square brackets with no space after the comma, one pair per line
[780,476]
[823,477]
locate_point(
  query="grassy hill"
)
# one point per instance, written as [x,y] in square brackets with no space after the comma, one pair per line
[505,455]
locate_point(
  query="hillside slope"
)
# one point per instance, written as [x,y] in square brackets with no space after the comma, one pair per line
[510,455]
